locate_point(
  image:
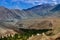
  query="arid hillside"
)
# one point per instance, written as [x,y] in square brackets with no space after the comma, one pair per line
[55,22]
[44,37]
[29,24]
[46,23]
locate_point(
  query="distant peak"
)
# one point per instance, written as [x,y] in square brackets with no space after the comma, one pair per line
[2,7]
[42,5]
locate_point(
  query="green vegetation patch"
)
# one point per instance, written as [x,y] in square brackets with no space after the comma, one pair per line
[25,35]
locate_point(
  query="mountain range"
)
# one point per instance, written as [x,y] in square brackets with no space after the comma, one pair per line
[40,11]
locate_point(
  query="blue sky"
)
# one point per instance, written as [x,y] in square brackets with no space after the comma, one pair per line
[24,4]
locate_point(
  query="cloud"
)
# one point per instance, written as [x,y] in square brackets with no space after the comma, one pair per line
[37,2]
[33,2]
[17,3]
[16,7]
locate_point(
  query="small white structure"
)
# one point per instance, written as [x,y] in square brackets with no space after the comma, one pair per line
[38,34]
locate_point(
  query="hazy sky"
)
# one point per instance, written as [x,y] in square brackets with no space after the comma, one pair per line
[23,4]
